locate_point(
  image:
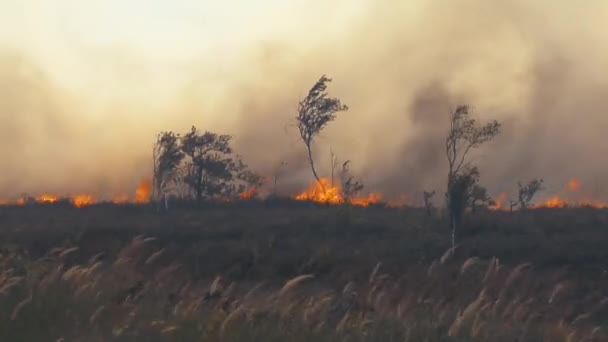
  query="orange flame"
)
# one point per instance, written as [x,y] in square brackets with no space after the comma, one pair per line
[120,199]
[47,199]
[142,194]
[324,192]
[574,185]
[249,194]
[501,201]
[82,200]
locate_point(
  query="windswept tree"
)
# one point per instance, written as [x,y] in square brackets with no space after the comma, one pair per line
[211,170]
[167,156]
[314,113]
[464,135]
[528,191]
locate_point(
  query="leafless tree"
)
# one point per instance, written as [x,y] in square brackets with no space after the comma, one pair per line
[428,201]
[334,165]
[276,175]
[464,135]
[350,186]
[314,113]
[512,205]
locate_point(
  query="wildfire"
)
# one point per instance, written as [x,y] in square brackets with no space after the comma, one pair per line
[574,185]
[84,200]
[501,201]
[142,194]
[120,199]
[249,194]
[46,198]
[324,192]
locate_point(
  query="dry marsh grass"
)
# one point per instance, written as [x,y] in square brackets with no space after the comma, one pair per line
[300,274]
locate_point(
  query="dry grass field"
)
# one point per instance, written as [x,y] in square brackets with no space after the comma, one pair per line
[261,271]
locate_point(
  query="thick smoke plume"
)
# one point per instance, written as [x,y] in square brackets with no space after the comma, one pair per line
[401,66]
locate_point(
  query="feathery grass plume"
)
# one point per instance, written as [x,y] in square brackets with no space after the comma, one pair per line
[572,337]
[68,251]
[216,287]
[493,268]
[342,324]
[232,316]
[96,314]
[467,315]
[581,318]
[294,282]
[97,258]
[470,262]
[90,270]
[372,276]
[21,305]
[432,268]
[71,273]
[449,253]
[168,330]
[9,284]
[557,291]
[155,256]
[516,274]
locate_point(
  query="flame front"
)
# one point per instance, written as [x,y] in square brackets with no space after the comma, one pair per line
[84,200]
[574,186]
[249,194]
[46,198]
[324,192]
[142,194]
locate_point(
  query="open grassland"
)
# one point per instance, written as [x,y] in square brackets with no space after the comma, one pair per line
[300,272]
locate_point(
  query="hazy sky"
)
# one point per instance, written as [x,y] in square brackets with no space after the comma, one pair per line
[86,85]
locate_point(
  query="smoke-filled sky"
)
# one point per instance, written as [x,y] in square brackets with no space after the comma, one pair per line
[86,85]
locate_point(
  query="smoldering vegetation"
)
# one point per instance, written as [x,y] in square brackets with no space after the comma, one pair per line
[401,68]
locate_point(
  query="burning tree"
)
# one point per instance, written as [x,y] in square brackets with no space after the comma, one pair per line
[464,135]
[314,113]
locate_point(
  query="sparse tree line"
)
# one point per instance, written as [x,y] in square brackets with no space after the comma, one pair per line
[202,165]
[199,165]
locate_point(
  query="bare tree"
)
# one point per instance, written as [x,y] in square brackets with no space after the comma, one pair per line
[528,191]
[464,135]
[512,205]
[277,173]
[314,113]
[428,201]
[350,186]
[167,156]
[334,165]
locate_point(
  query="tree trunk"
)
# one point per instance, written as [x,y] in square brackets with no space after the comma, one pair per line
[453,232]
[312,166]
